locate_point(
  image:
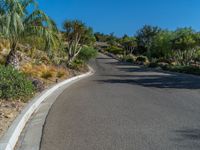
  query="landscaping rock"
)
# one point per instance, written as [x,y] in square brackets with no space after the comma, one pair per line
[10,115]
[39,85]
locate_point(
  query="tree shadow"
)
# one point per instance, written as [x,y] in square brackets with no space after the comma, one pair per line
[103,58]
[156,81]
[129,73]
[189,134]
[187,138]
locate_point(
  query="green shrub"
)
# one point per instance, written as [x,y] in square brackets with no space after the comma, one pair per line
[142,59]
[14,84]
[129,58]
[87,53]
[115,50]
[77,64]
[185,69]
[153,65]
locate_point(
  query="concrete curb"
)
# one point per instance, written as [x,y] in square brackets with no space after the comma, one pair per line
[10,139]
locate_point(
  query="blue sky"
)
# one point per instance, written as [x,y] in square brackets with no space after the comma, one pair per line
[125,16]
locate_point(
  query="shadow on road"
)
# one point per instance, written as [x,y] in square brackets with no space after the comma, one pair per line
[156,81]
[187,138]
[189,134]
[137,75]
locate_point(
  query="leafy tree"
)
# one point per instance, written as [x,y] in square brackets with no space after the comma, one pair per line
[16,22]
[112,39]
[145,38]
[185,38]
[77,34]
[161,44]
[87,53]
[100,37]
[129,44]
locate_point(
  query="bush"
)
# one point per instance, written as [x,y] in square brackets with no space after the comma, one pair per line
[115,50]
[129,58]
[87,53]
[142,59]
[14,84]
[47,74]
[153,65]
[60,74]
[185,69]
[77,64]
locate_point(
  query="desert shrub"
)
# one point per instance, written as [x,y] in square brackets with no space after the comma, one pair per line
[2,60]
[60,74]
[142,59]
[115,50]
[129,58]
[47,74]
[39,71]
[14,84]
[185,69]
[185,57]
[87,53]
[77,64]
[153,63]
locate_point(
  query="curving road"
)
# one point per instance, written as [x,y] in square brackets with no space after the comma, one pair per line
[125,107]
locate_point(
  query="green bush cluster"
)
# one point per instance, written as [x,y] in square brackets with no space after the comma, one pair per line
[142,59]
[129,58]
[115,50]
[77,64]
[14,84]
[184,69]
[87,53]
[135,59]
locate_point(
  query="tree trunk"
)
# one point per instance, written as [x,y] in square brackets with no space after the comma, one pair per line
[12,58]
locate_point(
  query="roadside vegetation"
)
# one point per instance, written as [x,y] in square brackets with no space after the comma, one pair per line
[34,53]
[154,47]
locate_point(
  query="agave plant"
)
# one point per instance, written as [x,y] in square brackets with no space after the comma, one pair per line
[17,22]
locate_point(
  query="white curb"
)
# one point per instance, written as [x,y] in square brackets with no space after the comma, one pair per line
[10,139]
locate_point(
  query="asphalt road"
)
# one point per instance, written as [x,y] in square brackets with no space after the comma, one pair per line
[125,107]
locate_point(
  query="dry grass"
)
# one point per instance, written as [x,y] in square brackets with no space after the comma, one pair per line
[45,71]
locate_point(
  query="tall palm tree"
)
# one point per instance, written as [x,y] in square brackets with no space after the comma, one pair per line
[17,22]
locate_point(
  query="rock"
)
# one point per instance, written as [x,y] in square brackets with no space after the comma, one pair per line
[9,116]
[163,64]
[39,85]
[1,114]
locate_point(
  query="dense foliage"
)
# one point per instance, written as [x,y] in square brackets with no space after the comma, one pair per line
[17,22]
[87,53]
[77,34]
[179,49]
[14,84]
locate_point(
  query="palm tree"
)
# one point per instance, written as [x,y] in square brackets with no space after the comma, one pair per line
[16,22]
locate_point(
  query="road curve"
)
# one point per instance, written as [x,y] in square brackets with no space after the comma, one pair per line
[126,107]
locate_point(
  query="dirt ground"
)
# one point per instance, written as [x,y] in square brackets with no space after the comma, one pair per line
[8,112]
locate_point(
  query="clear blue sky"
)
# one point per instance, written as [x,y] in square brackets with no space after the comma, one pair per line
[125,16]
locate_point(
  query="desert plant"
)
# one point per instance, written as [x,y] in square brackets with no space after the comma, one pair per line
[60,74]
[77,34]
[129,58]
[87,53]
[115,50]
[16,22]
[47,74]
[185,57]
[14,84]
[142,59]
